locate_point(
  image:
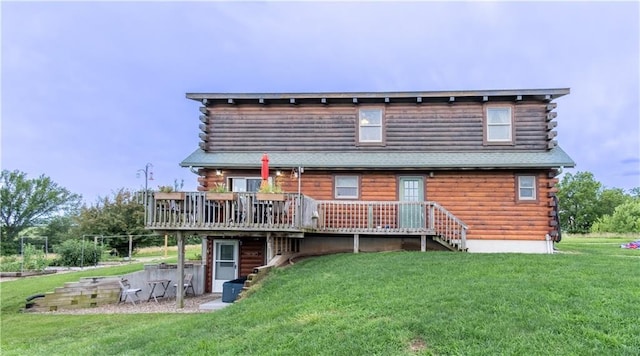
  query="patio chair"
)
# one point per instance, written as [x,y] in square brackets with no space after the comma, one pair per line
[127,292]
[188,283]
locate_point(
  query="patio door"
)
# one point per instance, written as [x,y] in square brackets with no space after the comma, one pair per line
[225,262]
[412,211]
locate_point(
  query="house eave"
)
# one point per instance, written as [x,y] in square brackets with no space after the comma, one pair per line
[380,97]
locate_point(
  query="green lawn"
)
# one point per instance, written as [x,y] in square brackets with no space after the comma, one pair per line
[583,301]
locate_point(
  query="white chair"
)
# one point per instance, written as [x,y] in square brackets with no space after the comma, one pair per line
[128,292]
[188,279]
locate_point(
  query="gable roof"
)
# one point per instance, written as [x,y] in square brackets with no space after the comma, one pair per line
[553,158]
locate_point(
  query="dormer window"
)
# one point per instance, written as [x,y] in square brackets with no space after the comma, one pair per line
[498,128]
[370,125]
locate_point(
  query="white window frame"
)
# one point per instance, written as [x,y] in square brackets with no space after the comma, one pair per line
[489,125]
[533,188]
[364,123]
[235,187]
[337,186]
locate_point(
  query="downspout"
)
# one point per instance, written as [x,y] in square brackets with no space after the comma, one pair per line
[556,208]
[549,243]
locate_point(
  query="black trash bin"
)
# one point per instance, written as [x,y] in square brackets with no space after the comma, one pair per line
[231,289]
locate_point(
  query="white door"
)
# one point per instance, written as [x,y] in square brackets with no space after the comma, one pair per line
[412,194]
[225,262]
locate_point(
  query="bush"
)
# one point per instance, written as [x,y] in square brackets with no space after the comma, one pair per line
[76,253]
[9,264]
[625,218]
[32,260]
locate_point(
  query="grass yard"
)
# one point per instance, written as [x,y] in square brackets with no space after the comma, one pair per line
[583,301]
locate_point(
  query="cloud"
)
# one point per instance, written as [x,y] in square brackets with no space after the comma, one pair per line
[94,91]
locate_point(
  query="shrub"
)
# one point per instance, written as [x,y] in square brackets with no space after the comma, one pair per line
[9,264]
[76,253]
[32,260]
[625,218]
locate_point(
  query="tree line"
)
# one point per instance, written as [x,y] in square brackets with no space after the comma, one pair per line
[40,207]
[588,206]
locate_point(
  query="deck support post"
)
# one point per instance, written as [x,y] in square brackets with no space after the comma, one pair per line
[356,243]
[269,247]
[423,243]
[180,282]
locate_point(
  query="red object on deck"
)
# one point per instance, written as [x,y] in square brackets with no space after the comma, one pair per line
[265,167]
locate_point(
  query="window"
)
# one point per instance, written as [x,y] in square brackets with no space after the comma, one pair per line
[526,188]
[370,123]
[346,187]
[499,126]
[245,184]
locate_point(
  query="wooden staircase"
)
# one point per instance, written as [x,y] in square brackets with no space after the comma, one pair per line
[253,278]
[451,246]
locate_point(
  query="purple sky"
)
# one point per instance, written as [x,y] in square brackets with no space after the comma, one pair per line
[93,91]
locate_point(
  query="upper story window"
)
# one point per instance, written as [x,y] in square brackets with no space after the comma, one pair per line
[370,125]
[346,187]
[526,188]
[498,125]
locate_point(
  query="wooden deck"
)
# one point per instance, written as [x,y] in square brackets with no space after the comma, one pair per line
[295,215]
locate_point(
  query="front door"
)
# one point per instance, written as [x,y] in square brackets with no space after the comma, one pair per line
[225,262]
[412,211]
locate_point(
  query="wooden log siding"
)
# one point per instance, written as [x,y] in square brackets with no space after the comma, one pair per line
[252,255]
[486,202]
[425,127]
[280,128]
[482,200]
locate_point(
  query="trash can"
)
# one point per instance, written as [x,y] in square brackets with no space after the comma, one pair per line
[231,289]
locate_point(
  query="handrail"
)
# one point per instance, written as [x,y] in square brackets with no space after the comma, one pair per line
[449,227]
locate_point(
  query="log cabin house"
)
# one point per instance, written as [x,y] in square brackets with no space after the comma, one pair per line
[370,171]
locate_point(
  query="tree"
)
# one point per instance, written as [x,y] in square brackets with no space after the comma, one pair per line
[116,218]
[27,202]
[625,218]
[584,201]
[609,199]
[578,195]
[58,229]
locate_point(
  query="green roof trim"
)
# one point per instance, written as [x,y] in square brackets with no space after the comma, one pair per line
[555,157]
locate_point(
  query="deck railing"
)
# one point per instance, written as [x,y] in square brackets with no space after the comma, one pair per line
[391,217]
[293,212]
[201,210]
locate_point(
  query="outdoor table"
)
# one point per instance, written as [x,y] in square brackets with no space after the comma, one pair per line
[164,283]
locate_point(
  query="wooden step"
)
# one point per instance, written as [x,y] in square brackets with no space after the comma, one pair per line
[445,243]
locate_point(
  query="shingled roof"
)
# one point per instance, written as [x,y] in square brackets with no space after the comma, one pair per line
[555,157]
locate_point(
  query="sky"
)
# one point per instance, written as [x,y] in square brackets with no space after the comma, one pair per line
[93,91]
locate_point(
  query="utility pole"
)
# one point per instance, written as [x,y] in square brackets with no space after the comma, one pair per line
[148,175]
